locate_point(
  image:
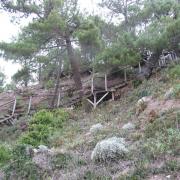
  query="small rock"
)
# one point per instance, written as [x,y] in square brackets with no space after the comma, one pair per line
[109,149]
[168,177]
[43,148]
[168,95]
[128,126]
[35,151]
[96,128]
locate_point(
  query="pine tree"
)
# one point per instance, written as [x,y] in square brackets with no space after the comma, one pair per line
[53,26]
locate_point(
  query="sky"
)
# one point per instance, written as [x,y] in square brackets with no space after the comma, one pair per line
[8,30]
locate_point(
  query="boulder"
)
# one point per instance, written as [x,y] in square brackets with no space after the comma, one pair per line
[109,150]
[142,104]
[96,128]
[128,126]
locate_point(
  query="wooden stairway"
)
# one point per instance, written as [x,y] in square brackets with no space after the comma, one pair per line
[12,112]
[7,120]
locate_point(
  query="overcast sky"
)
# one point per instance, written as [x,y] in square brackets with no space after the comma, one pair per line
[8,30]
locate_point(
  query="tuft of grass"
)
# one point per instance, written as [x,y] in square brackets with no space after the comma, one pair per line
[89,175]
[174,72]
[66,161]
[5,154]
[170,120]
[21,166]
[176,92]
[171,166]
[61,161]
[162,137]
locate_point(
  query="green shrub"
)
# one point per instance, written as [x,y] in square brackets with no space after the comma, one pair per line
[61,161]
[21,165]
[39,135]
[42,117]
[162,136]
[176,92]
[143,93]
[19,152]
[162,143]
[171,166]
[60,116]
[174,72]
[168,121]
[49,84]
[90,175]
[136,83]
[140,171]
[5,154]
[42,126]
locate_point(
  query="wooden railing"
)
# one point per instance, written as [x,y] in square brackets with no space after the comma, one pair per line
[5,104]
[106,78]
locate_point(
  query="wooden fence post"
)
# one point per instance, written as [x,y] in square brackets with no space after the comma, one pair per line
[92,84]
[95,100]
[29,105]
[59,98]
[140,70]
[14,106]
[106,88]
[125,75]
[113,96]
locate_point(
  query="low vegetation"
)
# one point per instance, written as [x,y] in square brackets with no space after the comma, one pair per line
[42,126]
[59,48]
[153,146]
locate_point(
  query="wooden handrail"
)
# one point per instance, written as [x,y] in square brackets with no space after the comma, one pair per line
[5,119]
[3,105]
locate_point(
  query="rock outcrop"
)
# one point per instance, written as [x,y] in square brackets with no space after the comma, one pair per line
[142,104]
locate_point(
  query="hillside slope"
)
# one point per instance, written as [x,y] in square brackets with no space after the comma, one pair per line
[150,129]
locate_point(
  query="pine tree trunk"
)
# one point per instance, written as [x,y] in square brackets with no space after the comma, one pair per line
[74,67]
[57,83]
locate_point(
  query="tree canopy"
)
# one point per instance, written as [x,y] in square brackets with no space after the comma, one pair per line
[62,39]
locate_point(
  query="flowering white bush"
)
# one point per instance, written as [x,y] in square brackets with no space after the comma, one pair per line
[109,149]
